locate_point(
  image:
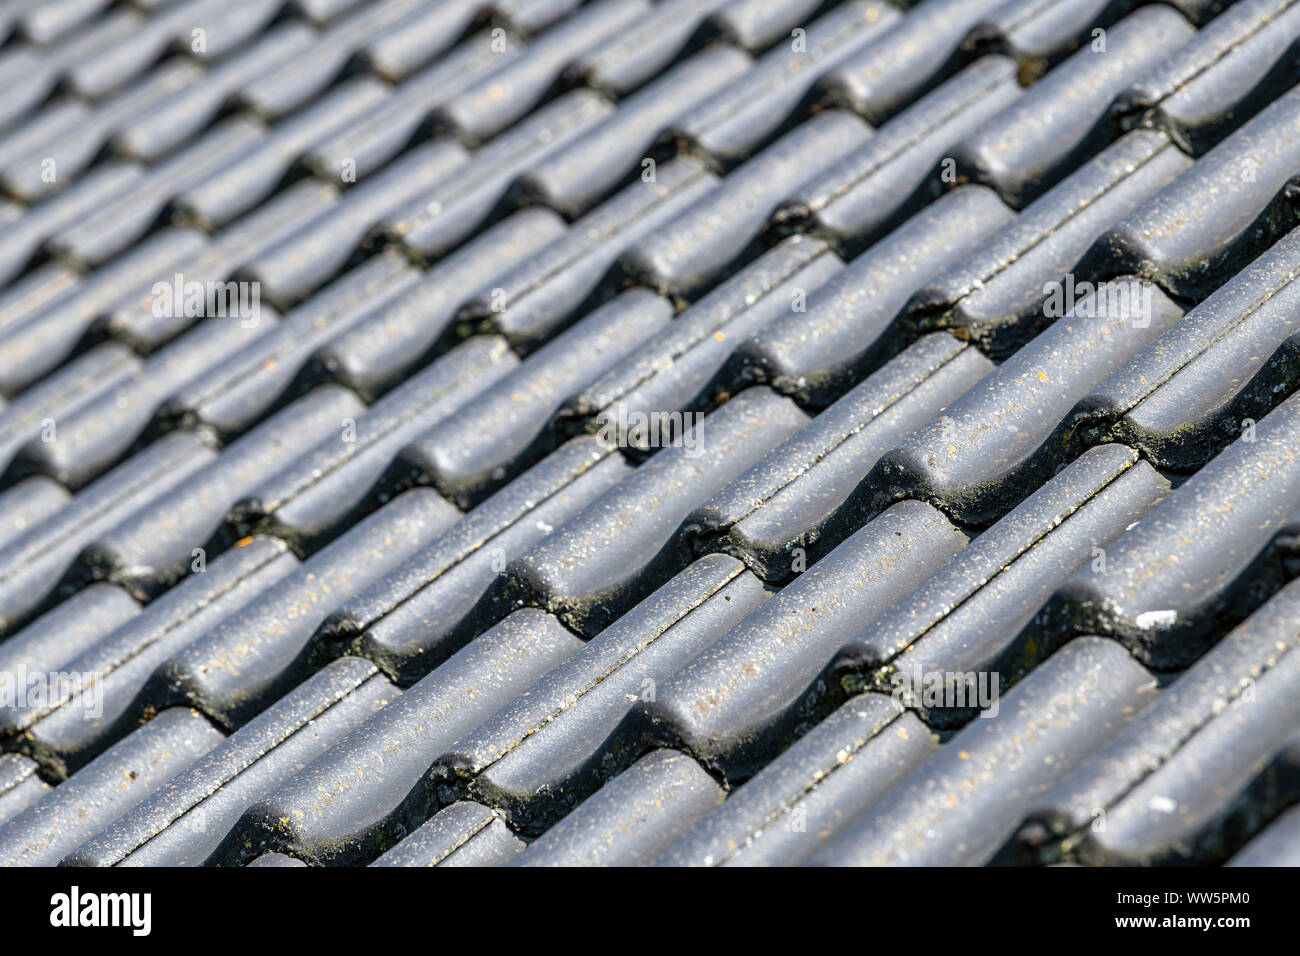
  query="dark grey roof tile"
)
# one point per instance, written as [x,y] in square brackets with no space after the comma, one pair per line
[36,290]
[322,12]
[148,550]
[12,13]
[276,859]
[11,211]
[638,519]
[103,790]
[749,694]
[314,253]
[45,329]
[808,494]
[302,79]
[1063,120]
[1274,379]
[141,317]
[1231,675]
[498,433]
[45,648]
[639,51]
[244,663]
[410,620]
[1000,297]
[32,73]
[969,615]
[489,106]
[91,435]
[986,629]
[111,695]
[374,352]
[959,806]
[118,223]
[32,566]
[182,824]
[28,80]
[400,49]
[235,393]
[113,65]
[684,368]
[543,755]
[47,405]
[529,16]
[229,27]
[1040,33]
[1228,208]
[802,799]
[315,494]
[1010,433]
[439,219]
[1238,64]
[1199,386]
[920,51]
[587,169]
[1277,845]
[631,819]
[542,294]
[26,504]
[241,185]
[365,793]
[23,238]
[50,20]
[755,24]
[463,834]
[849,326]
[1218,789]
[1238,501]
[690,253]
[53,120]
[58,159]
[370,139]
[898,476]
[865,195]
[739,119]
[152,6]
[20,786]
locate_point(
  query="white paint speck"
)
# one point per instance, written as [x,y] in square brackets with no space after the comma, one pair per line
[1150,620]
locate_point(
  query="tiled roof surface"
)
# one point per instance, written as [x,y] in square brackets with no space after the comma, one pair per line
[676,432]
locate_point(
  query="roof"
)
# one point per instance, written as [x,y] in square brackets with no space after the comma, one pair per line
[655,432]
